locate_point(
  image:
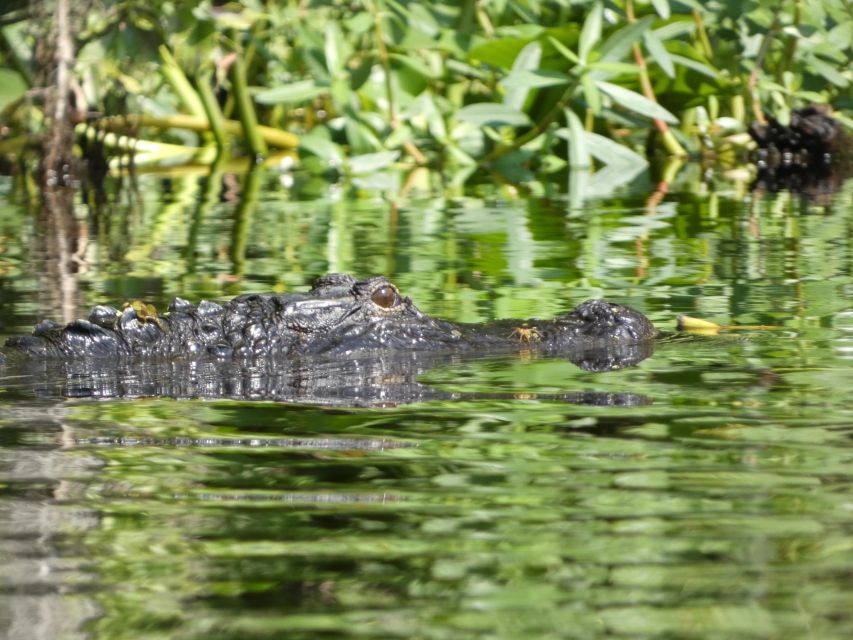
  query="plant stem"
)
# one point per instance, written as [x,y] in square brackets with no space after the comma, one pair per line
[245,107]
[384,59]
[273,137]
[181,85]
[759,62]
[670,142]
[211,107]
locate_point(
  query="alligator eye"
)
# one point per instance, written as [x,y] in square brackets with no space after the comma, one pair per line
[385,296]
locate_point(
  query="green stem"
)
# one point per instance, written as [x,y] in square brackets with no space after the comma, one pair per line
[211,108]
[180,84]
[245,107]
[273,137]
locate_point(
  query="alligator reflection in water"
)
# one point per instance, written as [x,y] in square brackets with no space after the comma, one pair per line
[375,380]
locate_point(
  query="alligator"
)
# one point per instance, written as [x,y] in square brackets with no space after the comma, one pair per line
[363,329]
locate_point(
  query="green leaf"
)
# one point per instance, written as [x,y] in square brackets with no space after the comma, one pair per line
[564,50]
[299,91]
[675,29]
[370,162]
[607,69]
[516,90]
[662,8]
[578,153]
[828,71]
[334,40]
[525,80]
[590,32]
[498,53]
[659,53]
[591,93]
[695,65]
[316,142]
[414,64]
[13,86]
[610,152]
[492,114]
[617,46]
[635,102]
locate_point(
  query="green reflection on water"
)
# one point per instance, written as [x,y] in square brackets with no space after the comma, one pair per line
[721,509]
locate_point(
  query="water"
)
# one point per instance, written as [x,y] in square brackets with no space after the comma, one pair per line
[721,506]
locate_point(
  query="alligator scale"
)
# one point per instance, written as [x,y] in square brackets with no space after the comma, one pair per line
[339,316]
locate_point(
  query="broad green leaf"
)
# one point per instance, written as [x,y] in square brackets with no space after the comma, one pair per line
[662,8]
[591,32]
[12,87]
[578,153]
[525,80]
[492,114]
[591,93]
[610,152]
[635,102]
[618,45]
[527,60]
[564,50]
[370,162]
[659,53]
[299,91]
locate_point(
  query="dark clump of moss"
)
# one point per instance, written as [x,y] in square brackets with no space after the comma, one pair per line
[810,155]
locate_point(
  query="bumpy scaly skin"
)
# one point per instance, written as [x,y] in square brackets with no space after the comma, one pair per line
[339,316]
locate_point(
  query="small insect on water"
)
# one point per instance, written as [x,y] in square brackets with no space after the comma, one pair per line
[525,333]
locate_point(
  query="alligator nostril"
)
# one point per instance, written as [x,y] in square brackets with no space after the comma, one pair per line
[385,296]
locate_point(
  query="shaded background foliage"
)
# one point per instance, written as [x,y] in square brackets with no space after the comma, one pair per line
[453,85]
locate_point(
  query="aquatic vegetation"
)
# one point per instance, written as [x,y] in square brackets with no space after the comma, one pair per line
[356,88]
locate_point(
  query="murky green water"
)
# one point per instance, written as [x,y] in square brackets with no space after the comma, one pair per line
[719,507]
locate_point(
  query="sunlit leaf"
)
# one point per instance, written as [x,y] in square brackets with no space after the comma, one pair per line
[606,69]
[591,93]
[299,91]
[610,152]
[528,59]
[694,65]
[369,162]
[662,8]
[492,114]
[12,87]
[659,53]
[635,102]
[828,71]
[578,153]
[591,32]
[317,143]
[564,50]
[617,46]
[498,53]
[414,64]
[526,80]
[675,29]
[334,45]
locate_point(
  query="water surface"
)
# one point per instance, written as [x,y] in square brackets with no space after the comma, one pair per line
[721,506]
